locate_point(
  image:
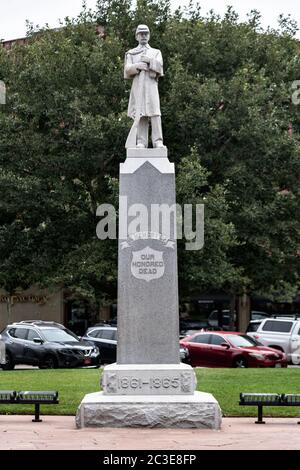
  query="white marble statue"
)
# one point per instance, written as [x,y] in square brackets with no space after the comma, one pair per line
[144,65]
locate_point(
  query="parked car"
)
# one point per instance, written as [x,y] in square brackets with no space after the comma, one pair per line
[213,318]
[253,325]
[188,325]
[2,352]
[105,338]
[184,354]
[185,333]
[230,349]
[47,345]
[281,333]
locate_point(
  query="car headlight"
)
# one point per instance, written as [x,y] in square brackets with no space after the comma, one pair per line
[258,356]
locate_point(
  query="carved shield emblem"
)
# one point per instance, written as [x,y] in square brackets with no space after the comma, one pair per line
[147,264]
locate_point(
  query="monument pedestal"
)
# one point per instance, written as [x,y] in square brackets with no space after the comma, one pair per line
[199,410]
[148,387]
[149,395]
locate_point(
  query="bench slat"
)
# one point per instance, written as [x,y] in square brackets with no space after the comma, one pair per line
[268,399]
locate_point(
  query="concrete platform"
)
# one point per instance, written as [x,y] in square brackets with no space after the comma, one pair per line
[19,433]
[200,410]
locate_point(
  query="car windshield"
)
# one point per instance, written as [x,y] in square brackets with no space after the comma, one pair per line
[59,336]
[242,341]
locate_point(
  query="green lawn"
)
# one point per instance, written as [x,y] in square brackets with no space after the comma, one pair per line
[224,384]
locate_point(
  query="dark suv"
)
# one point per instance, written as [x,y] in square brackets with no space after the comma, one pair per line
[47,345]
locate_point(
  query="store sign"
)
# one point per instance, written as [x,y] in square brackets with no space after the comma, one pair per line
[15,299]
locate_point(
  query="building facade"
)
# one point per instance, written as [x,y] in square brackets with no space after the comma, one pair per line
[33,304]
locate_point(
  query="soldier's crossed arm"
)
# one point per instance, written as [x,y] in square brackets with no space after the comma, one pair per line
[156,64]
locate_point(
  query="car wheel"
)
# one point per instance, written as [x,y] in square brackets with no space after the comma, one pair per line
[9,363]
[49,363]
[240,362]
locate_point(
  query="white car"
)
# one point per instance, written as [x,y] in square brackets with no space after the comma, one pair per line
[282,333]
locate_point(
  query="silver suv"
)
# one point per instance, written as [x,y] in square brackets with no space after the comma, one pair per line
[280,333]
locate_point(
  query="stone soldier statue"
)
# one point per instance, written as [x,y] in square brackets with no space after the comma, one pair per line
[144,65]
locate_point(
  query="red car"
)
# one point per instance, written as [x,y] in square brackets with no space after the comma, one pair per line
[230,349]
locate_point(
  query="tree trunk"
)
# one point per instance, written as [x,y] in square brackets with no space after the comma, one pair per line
[243,312]
[8,310]
[232,313]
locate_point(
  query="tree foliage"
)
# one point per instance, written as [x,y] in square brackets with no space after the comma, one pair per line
[229,123]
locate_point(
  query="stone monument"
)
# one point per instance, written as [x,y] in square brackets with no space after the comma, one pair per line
[148,386]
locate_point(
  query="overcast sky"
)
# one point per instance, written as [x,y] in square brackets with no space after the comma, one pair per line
[14,13]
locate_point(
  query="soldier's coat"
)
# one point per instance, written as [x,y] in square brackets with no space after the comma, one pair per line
[151,104]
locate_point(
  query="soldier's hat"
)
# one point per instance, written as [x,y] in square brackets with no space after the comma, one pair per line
[142,28]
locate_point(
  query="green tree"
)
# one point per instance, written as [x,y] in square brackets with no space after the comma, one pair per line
[229,123]
[229,94]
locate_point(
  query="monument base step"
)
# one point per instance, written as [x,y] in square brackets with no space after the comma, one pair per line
[200,410]
[148,379]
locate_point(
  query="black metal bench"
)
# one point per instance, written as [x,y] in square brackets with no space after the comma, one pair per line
[29,398]
[268,399]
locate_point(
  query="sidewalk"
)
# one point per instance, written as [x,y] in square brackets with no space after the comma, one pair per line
[56,432]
